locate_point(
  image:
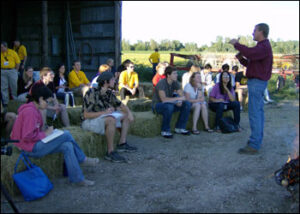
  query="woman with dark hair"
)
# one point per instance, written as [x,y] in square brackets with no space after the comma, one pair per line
[222,98]
[61,87]
[28,130]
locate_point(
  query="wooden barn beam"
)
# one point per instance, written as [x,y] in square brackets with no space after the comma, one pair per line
[44,33]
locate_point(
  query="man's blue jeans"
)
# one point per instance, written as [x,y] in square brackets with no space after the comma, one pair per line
[154,69]
[65,144]
[256,90]
[167,110]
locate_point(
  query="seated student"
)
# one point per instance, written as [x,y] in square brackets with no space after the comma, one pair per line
[24,84]
[110,63]
[129,82]
[102,68]
[226,67]
[186,76]
[61,87]
[193,93]
[118,72]
[222,97]
[100,101]
[164,102]
[78,83]
[54,108]
[241,87]
[160,74]
[206,79]
[28,130]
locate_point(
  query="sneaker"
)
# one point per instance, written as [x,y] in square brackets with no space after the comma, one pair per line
[248,150]
[270,100]
[114,157]
[182,131]
[85,182]
[266,102]
[90,161]
[126,148]
[166,134]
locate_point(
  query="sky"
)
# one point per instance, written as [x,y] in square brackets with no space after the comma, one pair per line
[202,21]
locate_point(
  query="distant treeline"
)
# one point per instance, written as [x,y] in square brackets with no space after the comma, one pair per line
[220,45]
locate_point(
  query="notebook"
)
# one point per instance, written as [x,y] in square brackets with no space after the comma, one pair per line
[56,133]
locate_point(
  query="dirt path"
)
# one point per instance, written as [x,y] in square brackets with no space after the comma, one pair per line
[187,174]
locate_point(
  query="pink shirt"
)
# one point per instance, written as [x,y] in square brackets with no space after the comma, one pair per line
[28,127]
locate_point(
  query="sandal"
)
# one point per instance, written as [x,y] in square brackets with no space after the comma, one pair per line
[195,132]
[209,130]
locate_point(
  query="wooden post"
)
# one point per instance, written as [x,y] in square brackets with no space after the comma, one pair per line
[118,10]
[44,33]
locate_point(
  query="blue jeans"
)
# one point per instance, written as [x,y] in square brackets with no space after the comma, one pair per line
[219,108]
[154,69]
[62,96]
[65,144]
[167,109]
[256,90]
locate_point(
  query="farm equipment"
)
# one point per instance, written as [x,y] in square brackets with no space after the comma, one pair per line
[193,60]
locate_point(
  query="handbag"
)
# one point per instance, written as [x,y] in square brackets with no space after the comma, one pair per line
[33,182]
[227,125]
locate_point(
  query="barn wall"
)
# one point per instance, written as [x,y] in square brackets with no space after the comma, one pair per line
[96,31]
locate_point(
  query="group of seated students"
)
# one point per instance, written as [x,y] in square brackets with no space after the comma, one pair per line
[170,97]
[103,113]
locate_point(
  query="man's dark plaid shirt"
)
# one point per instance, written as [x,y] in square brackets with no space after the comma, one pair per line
[94,101]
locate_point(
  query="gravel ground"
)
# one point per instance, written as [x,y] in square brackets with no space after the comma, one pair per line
[201,173]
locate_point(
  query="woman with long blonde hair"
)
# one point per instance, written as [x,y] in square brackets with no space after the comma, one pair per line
[194,94]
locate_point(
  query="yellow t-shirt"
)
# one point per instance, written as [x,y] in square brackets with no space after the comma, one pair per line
[9,59]
[130,80]
[75,79]
[22,52]
[154,57]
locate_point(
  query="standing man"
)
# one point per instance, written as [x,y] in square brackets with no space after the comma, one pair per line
[22,53]
[154,59]
[10,63]
[258,60]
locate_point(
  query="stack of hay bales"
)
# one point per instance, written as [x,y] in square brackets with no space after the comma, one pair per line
[148,124]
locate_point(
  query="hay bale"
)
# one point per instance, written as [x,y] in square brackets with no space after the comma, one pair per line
[139,105]
[148,88]
[92,144]
[146,124]
[13,106]
[74,115]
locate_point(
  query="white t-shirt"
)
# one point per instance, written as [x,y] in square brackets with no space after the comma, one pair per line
[191,91]
[185,79]
[61,82]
